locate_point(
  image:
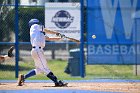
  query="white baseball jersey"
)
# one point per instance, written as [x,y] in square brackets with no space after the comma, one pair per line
[36,36]
[38,43]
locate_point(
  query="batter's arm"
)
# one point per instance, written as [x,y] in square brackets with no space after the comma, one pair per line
[50,31]
[53,38]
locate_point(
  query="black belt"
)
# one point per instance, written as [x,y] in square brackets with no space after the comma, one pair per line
[36,47]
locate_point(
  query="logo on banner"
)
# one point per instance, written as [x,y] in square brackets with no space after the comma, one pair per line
[62,19]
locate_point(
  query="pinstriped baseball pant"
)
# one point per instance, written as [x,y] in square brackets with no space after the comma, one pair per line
[40,61]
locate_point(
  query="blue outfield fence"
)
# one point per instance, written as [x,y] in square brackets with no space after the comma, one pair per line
[113,24]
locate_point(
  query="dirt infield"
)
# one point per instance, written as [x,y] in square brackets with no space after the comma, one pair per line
[132,87]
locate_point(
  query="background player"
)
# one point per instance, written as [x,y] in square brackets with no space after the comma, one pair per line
[9,55]
[37,38]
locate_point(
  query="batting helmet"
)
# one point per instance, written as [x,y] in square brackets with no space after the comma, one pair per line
[33,21]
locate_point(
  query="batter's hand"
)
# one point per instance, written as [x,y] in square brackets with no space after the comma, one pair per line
[60,35]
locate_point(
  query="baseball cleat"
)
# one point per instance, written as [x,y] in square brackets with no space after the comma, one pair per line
[10,54]
[20,80]
[60,84]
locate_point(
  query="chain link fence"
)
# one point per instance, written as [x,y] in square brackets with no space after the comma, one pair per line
[57,53]
[7,37]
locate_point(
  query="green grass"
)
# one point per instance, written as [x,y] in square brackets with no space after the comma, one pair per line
[7,71]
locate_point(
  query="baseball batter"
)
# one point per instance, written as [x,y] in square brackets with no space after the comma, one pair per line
[9,55]
[37,38]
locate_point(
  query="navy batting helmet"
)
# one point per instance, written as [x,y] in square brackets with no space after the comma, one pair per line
[33,21]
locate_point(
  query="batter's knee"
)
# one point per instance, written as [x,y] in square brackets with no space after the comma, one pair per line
[38,71]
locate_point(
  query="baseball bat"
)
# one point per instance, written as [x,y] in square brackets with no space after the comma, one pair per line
[50,31]
[63,36]
[72,39]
